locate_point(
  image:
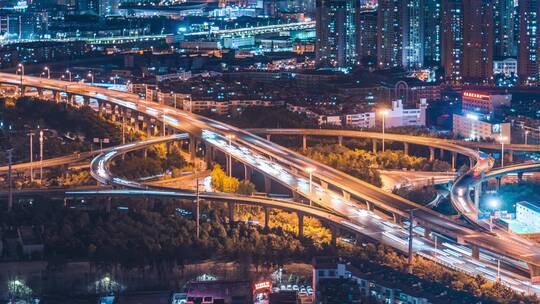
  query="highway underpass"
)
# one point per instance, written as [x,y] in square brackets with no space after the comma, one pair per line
[354,193]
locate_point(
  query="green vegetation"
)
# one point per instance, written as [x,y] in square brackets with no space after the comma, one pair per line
[423,195]
[157,161]
[151,235]
[364,165]
[22,115]
[223,183]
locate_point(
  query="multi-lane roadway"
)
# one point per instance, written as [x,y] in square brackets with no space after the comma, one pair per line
[345,197]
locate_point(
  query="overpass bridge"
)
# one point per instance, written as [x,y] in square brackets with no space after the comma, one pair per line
[334,189]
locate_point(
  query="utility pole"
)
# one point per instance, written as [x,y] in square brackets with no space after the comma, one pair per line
[410,259]
[31,134]
[41,156]
[123,130]
[10,193]
[197,210]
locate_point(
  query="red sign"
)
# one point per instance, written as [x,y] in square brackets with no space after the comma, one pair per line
[263,285]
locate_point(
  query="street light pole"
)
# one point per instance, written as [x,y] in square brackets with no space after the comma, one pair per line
[10,193]
[411,236]
[230,137]
[31,134]
[41,156]
[48,72]
[383,114]
[502,139]
[526,135]
[197,210]
[21,66]
[69,73]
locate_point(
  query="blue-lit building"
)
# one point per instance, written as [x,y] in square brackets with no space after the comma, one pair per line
[336,44]
[529,46]
[413,33]
[432,32]
[452,39]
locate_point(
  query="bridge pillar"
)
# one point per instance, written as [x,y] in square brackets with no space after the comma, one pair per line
[406,148]
[300,225]
[431,154]
[346,195]
[40,93]
[22,90]
[231,212]
[397,218]
[267,184]
[477,193]
[427,233]
[454,155]
[56,96]
[334,229]
[86,102]
[268,137]
[208,153]
[369,206]
[340,141]
[441,155]
[498,183]
[471,162]
[145,152]
[520,176]
[475,252]
[148,129]
[534,271]
[247,172]
[374,146]
[304,142]
[70,99]
[510,156]
[266,217]
[192,147]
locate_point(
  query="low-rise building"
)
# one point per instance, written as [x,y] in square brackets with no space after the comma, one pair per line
[399,116]
[482,102]
[364,120]
[507,67]
[472,126]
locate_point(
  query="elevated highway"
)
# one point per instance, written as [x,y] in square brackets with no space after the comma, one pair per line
[337,191]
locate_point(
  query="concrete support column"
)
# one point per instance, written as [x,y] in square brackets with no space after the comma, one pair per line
[267,184]
[22,90]
[70,99]
[40,93]
[441,155]
[231,212]
[431,154]
[86,102]
[475,252]
[369,206]
[304,142]
[266,217]
[374,146]
[498,183]
[406,148]
[145,152]
[471,162]
[192,147]
[454,156]
[300,225]
[268,137]
[247,172]
[477,193]
[510,156]
[427,233]
[334,229]
[56,96]
[340,141]
[208,153]
[148,129]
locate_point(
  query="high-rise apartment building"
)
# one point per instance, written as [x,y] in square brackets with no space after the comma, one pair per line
[529,42]
[389,34]
[432,32]
[412,24]
[451,39]
[336,44]
[367,43]
[477,57]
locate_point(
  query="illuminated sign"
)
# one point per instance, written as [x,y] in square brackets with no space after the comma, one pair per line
[263,285]
[475,95]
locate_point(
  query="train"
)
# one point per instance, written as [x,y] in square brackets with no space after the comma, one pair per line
[485,164]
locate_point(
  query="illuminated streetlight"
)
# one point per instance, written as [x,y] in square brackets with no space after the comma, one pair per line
[21,69]
[69,73]
[48,72]
[91,76]
[526,136]
[494,204]
[383,113]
